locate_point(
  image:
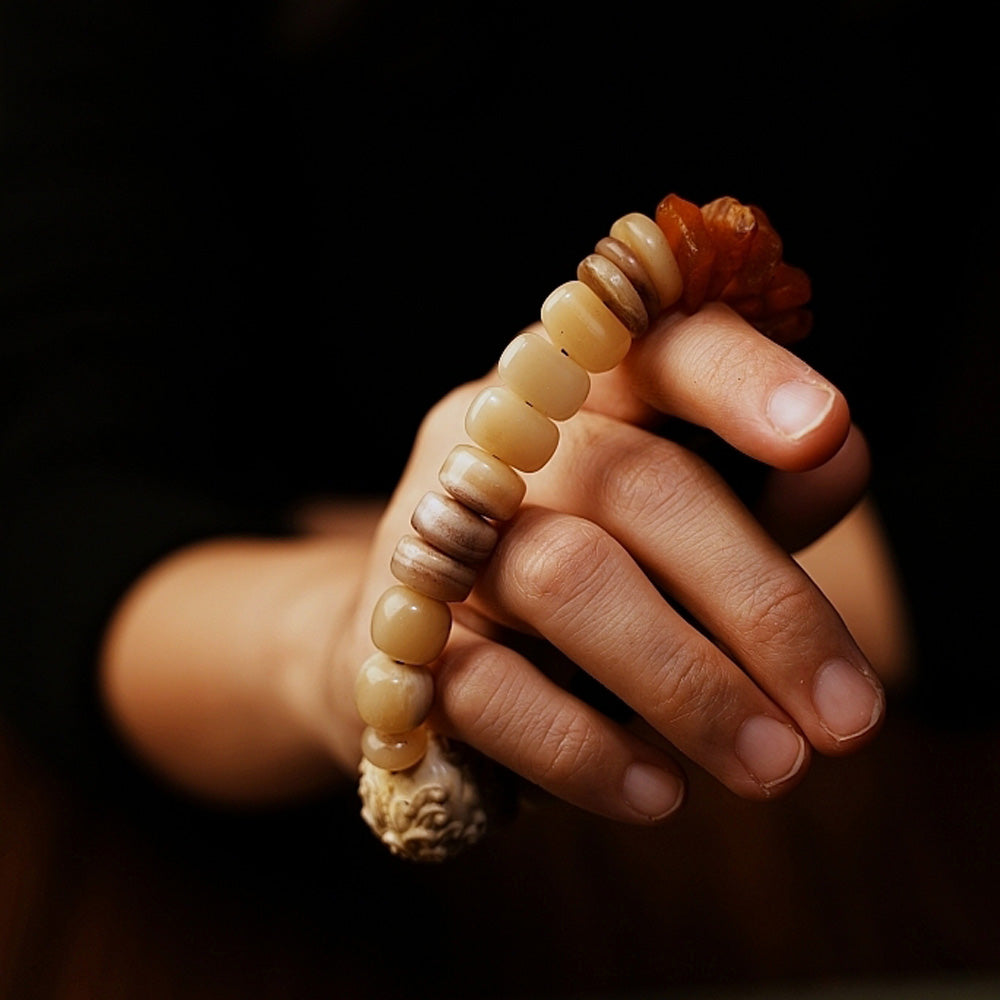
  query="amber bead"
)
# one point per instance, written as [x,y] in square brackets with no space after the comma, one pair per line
[410,626]
[580,324]
[537,371]
[482,482]
[393,697]
[394,752]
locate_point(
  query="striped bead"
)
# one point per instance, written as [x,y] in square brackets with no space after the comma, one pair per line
[454,529]
[613,288]
[419,565]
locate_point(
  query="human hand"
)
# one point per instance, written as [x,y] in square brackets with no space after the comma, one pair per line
[635,561]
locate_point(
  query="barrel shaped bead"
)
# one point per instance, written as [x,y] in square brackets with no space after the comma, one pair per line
[504,425]
[537,371]
[580,324]
[393,697]
[482,482]
[409,626]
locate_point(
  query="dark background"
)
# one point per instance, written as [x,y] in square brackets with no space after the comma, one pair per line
[244,247]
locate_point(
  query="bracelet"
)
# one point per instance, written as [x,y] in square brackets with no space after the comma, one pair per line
[428,797]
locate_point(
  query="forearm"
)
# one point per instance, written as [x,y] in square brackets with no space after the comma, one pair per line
[219,667]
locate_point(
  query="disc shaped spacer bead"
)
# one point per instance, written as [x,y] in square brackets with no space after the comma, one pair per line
[419,565]
[454,529]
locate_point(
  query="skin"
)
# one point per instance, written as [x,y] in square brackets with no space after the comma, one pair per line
[229,667]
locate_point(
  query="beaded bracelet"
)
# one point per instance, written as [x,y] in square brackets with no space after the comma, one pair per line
[425,796]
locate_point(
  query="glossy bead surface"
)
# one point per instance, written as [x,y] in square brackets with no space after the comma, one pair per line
[454,529]
[537,371]
[419,565]
[646,240]
[481,482]
[579,323]
[393,697]
[621,255]
[613,288]
[394,752]
[504,425]
[409,626]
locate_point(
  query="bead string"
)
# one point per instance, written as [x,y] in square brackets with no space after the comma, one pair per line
[633,275]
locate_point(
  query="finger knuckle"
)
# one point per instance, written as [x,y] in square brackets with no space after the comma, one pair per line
[475,691]
[558,561]
[654,481]
[778,608]
[688,686]
[568,749]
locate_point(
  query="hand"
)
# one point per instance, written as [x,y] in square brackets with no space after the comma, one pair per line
[634,559]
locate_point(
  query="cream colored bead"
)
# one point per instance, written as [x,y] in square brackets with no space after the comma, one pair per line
[537,371]
[504,425]
[579,323]
[454,529]
[421,566]
[483,483]
[393,752]
[646,240]
[409,626]
[393,697]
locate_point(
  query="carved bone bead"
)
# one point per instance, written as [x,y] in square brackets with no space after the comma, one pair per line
[430,812]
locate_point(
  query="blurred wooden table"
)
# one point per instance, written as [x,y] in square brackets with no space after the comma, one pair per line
[882,866]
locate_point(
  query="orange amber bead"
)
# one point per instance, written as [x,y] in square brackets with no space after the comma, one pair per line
[762,258]
[788,288]
[731,225]
[685,230]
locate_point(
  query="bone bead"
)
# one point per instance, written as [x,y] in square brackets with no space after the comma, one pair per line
[481,482]
[393,697]
[609,283]
[537,371]
[454,529]
[626,261]
[579,323]
[422,567]
[394,752]
[504,425]
[409,626]
[646,240]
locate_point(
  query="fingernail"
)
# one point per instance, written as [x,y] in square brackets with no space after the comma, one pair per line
[796,408]
[848,701]
[769,749]
[651,791]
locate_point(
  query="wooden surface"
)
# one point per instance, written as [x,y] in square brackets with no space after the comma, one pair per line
[879,867]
